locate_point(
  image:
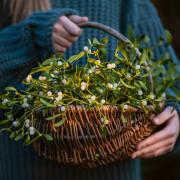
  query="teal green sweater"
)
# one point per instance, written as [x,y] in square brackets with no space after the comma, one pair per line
[24,45]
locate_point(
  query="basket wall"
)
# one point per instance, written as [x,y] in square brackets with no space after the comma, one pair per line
[79,141]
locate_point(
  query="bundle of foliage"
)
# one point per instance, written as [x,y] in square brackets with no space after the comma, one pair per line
[122,81]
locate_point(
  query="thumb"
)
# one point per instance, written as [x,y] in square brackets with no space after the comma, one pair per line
[163,116]
[78,19]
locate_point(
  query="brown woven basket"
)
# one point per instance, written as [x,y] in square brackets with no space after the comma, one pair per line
[79,141]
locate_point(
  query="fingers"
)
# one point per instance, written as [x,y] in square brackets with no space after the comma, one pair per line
[164,116]
[60,31]
[77,19]
[59,48]
[61,38]
[160,142]
[157,137]
[154,148]
[170,131]
[69,26]
[61,41]
[157,153]
[66,31]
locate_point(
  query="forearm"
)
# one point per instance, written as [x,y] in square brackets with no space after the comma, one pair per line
[26,44]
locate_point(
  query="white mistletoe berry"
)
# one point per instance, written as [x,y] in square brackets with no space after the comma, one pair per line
[64,81]
[144,102]
[49,93]
[90,71]
[109,66]
[128,76]
[5,101]
[113,65]
[86,49]
[60,63]
[57,99]
[102,120]
[60,95]
[29,96]
[83,84]
[83,88]
[63,108]
[115,85]
[138,66]
[52,75]
[56,72]
[103,101]
[152,96]
[29,78]
[93,98]
[101,91]
[125,106]
[31,130]
[27,123]
[15,123]
[140,92]
[110,86]
[106,121]
[25,105]
[42,78]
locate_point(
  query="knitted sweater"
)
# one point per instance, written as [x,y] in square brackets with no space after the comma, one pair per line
[24,45]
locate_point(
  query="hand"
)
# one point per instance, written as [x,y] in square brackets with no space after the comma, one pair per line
[66,31]
[163,141]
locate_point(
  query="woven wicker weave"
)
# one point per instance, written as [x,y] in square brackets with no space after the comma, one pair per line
[79,140]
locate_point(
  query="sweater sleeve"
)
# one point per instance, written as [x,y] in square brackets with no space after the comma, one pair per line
[150,24]
[24,45]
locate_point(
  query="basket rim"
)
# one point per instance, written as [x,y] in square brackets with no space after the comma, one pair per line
[102,108]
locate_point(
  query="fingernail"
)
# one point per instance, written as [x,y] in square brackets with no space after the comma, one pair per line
[156,120]
[86,18]
[134,156]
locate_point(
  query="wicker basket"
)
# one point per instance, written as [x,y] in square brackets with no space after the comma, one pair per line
[79,141]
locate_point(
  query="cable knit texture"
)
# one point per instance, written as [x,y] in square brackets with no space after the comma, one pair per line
[24,45]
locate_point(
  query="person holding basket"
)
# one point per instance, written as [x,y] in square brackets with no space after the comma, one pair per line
[31,31]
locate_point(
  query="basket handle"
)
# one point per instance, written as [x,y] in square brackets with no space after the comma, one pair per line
[118,36]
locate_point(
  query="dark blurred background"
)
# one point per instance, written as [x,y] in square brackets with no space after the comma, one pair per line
[166,167]
[169,11]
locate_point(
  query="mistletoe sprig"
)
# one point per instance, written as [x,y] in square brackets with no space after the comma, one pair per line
[121,81]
